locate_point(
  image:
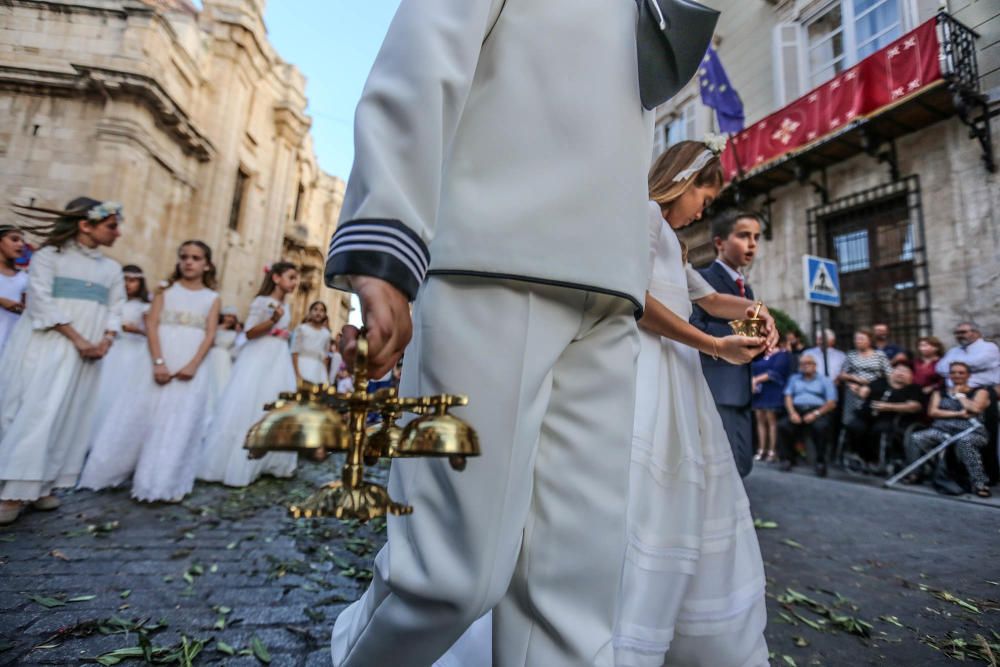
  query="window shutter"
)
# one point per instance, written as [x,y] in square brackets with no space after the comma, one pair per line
[788,74]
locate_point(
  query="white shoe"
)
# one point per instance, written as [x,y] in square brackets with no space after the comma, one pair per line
[9,511]
[47,503]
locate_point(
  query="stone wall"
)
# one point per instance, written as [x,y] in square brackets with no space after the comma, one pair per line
[160,106]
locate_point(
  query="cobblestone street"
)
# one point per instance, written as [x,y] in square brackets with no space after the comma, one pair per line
[228,572]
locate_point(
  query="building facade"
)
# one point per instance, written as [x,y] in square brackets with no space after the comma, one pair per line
[906,199]
[188,117]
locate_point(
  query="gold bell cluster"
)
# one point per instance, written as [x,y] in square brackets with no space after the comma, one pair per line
[317,420]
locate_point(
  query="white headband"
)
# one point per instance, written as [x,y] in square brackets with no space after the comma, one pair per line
[695,166]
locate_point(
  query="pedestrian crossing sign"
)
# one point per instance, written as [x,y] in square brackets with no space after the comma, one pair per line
[822,280]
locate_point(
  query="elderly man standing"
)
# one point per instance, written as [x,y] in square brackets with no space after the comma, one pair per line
[981,356]
[834,357]
[809,400]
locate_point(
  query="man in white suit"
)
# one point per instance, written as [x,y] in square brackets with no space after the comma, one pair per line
[500,182]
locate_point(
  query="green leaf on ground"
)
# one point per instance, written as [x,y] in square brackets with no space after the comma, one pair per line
[46,601]
[792,543]
[892,619]
[81,598]
[761,523]
[788,660]
[259,650]
[223,647]
[801,642]
[118,655]
[125,593]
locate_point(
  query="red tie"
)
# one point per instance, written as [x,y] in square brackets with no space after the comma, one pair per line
[743,289]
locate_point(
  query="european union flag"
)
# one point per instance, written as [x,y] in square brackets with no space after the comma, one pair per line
[717,93]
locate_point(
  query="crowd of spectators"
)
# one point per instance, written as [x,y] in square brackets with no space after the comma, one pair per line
[879,407]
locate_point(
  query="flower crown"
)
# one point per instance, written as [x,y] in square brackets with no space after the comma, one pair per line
[104,210]
[714,145]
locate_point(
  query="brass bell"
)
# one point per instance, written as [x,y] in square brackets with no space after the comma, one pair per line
[309,428]
[438,433]
[751,326]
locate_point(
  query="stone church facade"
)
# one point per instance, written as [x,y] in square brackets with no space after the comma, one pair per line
[188,117]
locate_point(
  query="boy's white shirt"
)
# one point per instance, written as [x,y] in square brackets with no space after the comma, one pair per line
[459,168]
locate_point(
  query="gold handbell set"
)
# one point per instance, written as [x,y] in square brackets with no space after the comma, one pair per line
[317,419]
[751,326]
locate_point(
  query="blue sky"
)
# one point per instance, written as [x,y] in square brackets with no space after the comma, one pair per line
[334,43]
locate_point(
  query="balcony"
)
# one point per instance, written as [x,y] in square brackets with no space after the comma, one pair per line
[926,76]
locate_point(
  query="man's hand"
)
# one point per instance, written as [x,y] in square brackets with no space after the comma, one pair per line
[385,312]
[795,417]
[739,349]
[809,418]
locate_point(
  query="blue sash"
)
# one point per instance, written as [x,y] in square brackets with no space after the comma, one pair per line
[74,288]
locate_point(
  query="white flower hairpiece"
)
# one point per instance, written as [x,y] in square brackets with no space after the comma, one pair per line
[714,145]
[104,210]
[715,142]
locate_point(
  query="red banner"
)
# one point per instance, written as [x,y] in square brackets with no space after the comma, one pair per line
[887,76]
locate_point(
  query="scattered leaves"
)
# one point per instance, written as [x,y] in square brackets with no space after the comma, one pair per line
[223,647]
[792,543]
[762,524]
[788,660]
[125,593]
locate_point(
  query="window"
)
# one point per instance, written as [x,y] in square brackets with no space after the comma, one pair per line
[849,31]
[239,193]
[811,52]
[660,139]
[682,127]
[298,203]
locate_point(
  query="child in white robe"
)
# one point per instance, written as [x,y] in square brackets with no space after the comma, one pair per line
[262,370]
[310,346]
[182,325]
[220,358]
[13,281]
[75,296]
[123,394]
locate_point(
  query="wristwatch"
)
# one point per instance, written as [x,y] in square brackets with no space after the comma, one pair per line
[158,361]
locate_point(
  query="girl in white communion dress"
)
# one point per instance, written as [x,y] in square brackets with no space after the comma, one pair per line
[262,370]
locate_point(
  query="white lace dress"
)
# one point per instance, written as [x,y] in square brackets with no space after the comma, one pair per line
[262,370]
[693,584]
[13,288]
[47,403]
[168,459]
[312,346]
[123,399]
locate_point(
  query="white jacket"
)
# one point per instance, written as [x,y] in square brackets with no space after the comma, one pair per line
[501,138]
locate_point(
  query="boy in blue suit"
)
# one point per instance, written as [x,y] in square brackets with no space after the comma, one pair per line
[735,235]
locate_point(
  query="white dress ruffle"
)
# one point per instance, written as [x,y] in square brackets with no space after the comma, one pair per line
[262,370]
[47,397]
[168,460]
[693,583]
[123,400]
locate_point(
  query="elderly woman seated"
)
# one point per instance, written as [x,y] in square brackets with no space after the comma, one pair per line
[957,411]
[809,400]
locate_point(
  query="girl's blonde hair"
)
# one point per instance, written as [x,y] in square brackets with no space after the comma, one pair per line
[664,190]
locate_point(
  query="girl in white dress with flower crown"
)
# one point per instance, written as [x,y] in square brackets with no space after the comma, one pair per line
[13,282]
[693,583]
[311,345]
[262,370]
[182,325]
[73,313]
[123,394]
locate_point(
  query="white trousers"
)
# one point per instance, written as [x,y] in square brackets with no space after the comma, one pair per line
[535,527]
